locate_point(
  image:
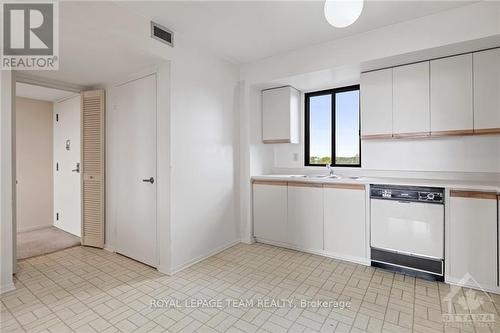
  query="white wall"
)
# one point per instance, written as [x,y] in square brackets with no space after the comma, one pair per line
[34,164]
[198,194]
[6,227]
[204,115]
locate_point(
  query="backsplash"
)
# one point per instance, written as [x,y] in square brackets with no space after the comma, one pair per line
[467,154]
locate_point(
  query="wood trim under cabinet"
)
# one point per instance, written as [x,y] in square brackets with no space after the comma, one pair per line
[480,131]
[345,186]
[303,184]
[411,135]
[376,137]
[473,194]
[435,134]
[276,141]
[452,132]
[270,182]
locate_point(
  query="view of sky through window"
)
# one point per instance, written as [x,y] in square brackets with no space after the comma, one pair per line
[320,129]
[346,131]
[347,127]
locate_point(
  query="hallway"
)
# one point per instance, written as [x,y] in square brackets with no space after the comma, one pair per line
[43,241]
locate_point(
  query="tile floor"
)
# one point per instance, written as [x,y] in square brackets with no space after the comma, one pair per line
[90,290]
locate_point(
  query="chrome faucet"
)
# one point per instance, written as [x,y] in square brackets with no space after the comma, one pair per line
[330,170]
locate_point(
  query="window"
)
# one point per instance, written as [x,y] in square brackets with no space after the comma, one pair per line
[332,127]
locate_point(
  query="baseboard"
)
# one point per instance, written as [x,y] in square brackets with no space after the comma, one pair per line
[34,228]
[7,287]
[66,230]
[164,270]
[201,258]
[459,283]
[355,260]
[248,240]
[109,248]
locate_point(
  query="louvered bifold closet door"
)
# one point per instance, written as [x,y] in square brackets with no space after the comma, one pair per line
[92,168]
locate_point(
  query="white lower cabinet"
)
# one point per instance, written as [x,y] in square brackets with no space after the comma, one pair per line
[305,216]
[473,238]
[270,211]
[344,221]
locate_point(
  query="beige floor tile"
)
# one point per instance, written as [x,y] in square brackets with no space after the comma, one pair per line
[91,290]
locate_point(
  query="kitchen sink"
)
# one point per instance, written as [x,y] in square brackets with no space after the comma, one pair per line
[323,176]
[316,176]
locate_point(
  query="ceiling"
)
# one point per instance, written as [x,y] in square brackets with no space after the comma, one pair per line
[246,31]
[102,41]
[41,93]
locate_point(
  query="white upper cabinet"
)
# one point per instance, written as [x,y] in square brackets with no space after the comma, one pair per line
[280,115]
[376,103]
[451,95]
[411,110]
[487,91]
[305,216]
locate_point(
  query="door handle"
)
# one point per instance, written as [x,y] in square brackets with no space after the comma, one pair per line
[77,170]
[150,180]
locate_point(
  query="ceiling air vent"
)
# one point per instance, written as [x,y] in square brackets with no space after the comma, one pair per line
[162,34]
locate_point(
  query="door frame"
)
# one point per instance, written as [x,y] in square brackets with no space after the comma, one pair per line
[20,77]
[136,77]
[163,165]
[163,70]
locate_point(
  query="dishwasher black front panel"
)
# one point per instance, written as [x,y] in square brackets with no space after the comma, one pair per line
[434,195]
[391,260]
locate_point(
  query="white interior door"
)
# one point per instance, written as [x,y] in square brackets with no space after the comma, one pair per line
[136,134]
[67,203]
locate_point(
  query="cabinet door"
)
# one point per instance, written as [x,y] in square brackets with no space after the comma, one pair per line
[473,237]
[305,216]
[280,115]
[270,211]
[376,103]
[451,95]
[487,90]
[411,110]
[344,223]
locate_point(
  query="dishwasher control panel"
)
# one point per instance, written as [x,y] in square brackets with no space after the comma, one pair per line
[407,193]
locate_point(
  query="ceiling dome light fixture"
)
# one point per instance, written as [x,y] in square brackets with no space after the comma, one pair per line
[343,13]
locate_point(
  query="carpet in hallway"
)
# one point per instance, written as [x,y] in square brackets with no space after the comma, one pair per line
[42,241]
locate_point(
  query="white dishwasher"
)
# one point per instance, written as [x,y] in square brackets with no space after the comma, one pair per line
[407,229]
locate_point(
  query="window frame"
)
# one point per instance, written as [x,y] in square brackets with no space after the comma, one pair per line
[333,93]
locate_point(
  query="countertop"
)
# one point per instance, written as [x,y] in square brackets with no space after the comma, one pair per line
[493,186]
